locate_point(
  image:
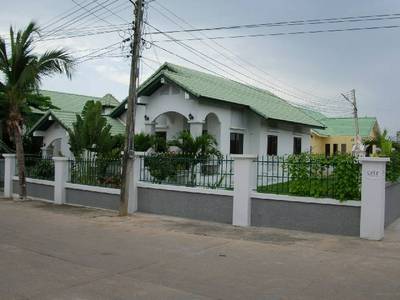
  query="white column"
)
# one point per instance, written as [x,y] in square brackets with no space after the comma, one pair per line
[244,181]
[9,173]
[60,178]
[150,128]
[196,128]
[372,223]
[133,184]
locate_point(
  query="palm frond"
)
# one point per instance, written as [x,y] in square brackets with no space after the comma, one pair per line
[55,61]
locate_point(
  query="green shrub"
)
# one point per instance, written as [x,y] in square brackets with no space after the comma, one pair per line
[318,176]
[347,177]
[42,169]
[393,167]
[163,166]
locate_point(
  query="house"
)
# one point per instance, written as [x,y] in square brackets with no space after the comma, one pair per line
[242,118]
[52,126]
[339,133]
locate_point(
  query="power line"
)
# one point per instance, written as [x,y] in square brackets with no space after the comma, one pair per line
[237,57]
[216,63]
[79,18]
[219,75]
[292,23]
[353,29]
[270,85]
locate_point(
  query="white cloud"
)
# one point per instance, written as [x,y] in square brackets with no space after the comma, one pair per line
[112,73]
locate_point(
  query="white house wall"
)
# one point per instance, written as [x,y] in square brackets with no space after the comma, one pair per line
[231,118]
[54,132]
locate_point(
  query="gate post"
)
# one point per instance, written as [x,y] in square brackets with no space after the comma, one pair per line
[60,178]
[373,185]
[244,181]
[133,185]
[9,173]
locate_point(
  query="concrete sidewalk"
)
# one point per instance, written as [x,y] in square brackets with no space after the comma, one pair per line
[59,252]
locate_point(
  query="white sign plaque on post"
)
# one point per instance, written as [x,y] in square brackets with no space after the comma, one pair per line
[372,223]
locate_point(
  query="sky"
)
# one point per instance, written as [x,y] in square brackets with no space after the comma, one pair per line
[308,69]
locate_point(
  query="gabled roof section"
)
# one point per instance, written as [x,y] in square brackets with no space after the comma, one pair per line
[207,86]
[313,114]
[346,126]
[75,103]
[66,120]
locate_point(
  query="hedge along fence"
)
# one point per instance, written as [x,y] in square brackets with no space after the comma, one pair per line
[337,177]
[96,172]
[184,170]
[37,167]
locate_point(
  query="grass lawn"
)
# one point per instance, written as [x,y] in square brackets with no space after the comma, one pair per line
[318,188]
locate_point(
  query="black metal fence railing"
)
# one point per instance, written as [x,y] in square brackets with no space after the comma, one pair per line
[310,175]
[166,168]
[96,172]
[37,167]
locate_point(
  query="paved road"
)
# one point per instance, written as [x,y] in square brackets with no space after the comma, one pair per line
[49,252]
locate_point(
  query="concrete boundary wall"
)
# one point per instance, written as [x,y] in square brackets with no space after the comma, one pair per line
[308,214]
[207,205]
[36,188]
[92,196]
[392,203]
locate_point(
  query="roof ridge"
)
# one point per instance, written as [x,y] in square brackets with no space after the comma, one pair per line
[72,94]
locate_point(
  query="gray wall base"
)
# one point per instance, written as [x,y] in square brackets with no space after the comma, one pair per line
[392,203]
[207,207]
[321,218]
[92,199]
[36,190]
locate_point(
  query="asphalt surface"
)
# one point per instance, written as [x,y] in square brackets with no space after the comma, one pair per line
[60,252]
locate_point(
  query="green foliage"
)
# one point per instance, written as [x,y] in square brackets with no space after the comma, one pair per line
[97,172]
[346,176]
[92,133]
[393,167]
[193,151]
[144,142]
[163,166]
[319,176]
[41,169]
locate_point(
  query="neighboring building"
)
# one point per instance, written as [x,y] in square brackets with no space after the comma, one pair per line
[243,119]
[52,125]
[339,134]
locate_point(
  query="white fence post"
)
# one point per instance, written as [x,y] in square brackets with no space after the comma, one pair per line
[60,178]
[133,189]
[373,182]
[244,180]
[9,173]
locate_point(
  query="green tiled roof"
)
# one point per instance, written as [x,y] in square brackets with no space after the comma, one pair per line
[346,126]
[74,102]
[204,85]
[313,114]
[67,118]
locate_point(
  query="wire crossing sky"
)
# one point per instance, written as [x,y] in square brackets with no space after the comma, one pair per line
[305,51]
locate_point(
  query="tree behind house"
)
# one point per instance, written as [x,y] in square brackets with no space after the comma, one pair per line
[92,135]
[22,72]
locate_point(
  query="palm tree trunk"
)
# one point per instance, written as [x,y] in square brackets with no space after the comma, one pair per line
[19,147]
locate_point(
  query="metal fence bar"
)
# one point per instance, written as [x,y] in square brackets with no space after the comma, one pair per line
[304,176]
[187,170]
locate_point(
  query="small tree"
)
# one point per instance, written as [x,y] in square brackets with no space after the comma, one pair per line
[144,142]
[195,149]
[92,134]
[22,72]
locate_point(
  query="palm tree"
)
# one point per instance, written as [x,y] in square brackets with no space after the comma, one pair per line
[21,73]
[196,149]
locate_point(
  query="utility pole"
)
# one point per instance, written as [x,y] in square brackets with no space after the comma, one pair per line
[359,148]
[128,157]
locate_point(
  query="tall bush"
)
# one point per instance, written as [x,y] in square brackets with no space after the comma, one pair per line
[319,176]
